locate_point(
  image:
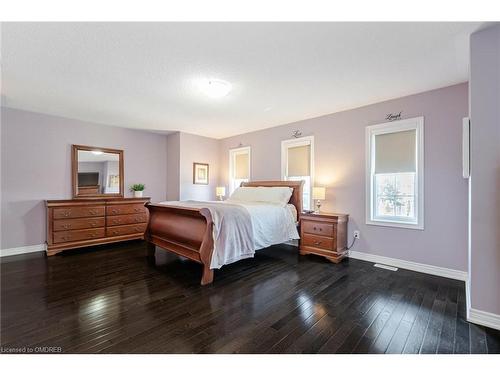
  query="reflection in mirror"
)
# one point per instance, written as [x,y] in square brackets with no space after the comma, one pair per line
[98,173]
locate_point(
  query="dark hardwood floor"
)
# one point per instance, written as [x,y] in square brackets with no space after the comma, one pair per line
[110,300]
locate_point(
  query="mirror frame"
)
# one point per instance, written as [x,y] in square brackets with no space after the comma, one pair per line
[74,172]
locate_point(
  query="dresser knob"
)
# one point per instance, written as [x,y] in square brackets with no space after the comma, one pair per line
[137,209]
[317,242]
[67,226]
[67,213]
[93,224]
[93,212]
[114,211]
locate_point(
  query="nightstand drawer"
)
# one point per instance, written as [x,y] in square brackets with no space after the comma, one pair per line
[314,227]
[327,243]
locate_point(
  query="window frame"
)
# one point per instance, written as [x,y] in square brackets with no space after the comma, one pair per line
[295,142]
[417,124]
[232,154]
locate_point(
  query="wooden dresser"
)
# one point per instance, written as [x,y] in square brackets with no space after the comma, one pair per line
[76,223]
[324,234]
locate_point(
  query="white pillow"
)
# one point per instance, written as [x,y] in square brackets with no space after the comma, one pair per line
[275,194]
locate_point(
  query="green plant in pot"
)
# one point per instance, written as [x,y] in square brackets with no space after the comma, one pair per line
[138,189]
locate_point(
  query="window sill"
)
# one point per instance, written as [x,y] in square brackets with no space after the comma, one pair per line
[382,223]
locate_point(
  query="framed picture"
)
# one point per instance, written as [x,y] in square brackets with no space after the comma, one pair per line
[200,173]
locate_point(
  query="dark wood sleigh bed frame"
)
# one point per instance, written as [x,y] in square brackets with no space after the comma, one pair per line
[188,231]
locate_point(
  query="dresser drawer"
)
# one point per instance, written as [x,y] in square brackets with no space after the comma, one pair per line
[70,224]
[126,229]
[314,227]
[311,240]
[123,209]
[78,235]
[125,219]
[74,212]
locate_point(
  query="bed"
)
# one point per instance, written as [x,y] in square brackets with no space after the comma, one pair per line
[187,228]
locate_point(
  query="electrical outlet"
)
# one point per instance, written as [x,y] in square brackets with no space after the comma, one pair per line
[356,234]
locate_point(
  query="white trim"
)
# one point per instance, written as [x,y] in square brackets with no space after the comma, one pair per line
[416,123]
[466,147]
[469,247]
[232,153]
[467,297]
[483,318]
[413,266]
[302,141]
[23,250]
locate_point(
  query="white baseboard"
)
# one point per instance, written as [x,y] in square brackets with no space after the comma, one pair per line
[467,298]
[413,266]
[22,250]
[483,318]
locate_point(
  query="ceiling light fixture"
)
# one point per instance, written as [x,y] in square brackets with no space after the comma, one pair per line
[216,88]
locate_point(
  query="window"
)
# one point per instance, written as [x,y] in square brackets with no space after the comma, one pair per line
[239,167]
[297,161]
[394,174]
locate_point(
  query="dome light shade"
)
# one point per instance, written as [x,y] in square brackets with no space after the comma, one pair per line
[216,88]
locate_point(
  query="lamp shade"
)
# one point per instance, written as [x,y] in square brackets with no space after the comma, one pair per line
[319,193]
[220,191]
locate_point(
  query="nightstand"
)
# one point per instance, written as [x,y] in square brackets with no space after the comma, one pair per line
[324,234]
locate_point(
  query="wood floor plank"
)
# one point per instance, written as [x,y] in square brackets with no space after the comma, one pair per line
[462,335]
[112,299]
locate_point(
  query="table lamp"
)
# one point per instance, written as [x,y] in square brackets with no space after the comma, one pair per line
[318,195]
[220,191]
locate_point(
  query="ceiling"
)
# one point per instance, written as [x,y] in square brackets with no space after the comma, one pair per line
[143,75]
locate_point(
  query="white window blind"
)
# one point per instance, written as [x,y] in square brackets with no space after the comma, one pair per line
[396,152]
[299,161]
[241,166]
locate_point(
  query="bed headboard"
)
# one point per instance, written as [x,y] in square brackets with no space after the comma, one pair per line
[295,199]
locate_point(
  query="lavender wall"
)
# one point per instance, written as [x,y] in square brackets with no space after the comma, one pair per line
[484,256]
[184,149]
[36,165]
[194,148]
[173,166]
[340,165]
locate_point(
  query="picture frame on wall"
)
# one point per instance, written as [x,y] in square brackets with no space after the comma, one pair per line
[200,173]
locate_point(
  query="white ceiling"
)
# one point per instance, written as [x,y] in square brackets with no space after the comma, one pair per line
[142,75]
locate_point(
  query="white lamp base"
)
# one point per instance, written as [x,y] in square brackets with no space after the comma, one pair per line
[318,206]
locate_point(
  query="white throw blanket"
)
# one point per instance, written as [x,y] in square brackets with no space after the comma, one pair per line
[242,228]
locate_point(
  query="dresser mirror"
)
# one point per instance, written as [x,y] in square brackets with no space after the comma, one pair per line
[97,172]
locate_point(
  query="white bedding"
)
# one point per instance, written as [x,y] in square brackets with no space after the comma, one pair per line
[242,228]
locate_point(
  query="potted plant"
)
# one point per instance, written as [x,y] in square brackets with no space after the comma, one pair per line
[138,190]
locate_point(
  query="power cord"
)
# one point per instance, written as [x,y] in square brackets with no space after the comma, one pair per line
[352,243]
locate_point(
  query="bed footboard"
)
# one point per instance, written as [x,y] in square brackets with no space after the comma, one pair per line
[183,231]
